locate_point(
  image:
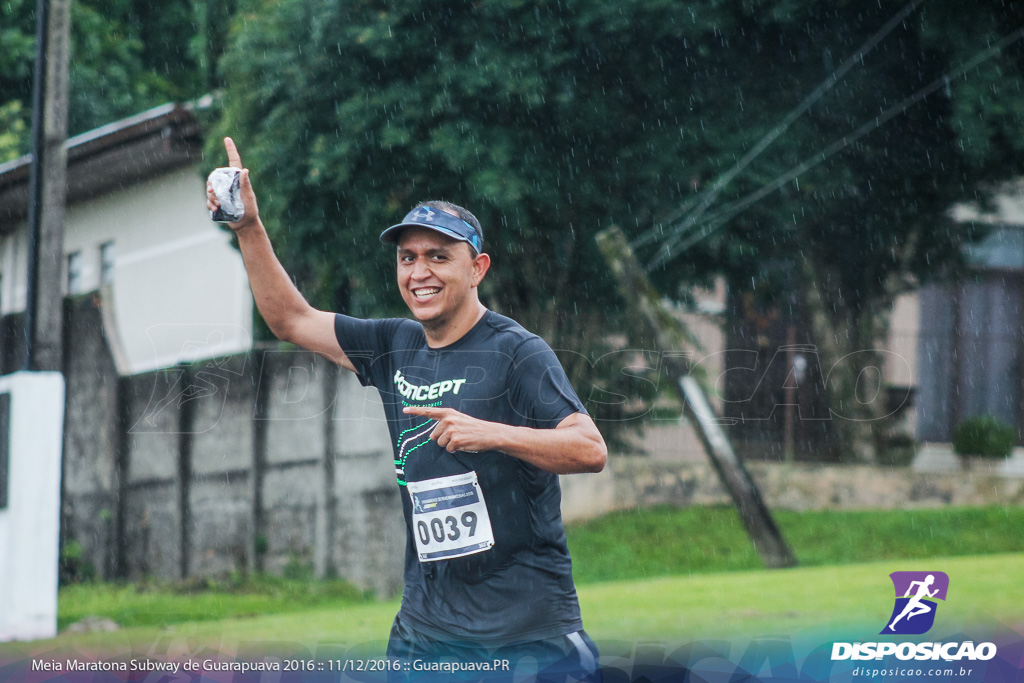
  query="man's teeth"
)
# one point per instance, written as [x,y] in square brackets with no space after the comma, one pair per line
[423,293]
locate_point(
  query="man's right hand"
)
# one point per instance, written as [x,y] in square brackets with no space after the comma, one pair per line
[285,311]
[252,211]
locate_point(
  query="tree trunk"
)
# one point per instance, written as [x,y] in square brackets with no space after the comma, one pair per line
[851,347]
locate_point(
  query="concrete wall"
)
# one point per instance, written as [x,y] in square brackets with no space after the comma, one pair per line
[641,482]
[242,463]
[92,438]
[268,460]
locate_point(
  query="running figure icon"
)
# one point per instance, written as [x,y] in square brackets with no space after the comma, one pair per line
[915,606]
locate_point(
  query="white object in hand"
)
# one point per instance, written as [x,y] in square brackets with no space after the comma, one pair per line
[225,184]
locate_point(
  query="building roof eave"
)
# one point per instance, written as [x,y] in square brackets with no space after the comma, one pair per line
[113,156]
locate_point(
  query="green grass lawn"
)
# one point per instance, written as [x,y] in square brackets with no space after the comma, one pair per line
[853,599]
[158,604]
[665,541]
[661,574]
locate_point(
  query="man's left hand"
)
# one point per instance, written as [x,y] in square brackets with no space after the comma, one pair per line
[457,431]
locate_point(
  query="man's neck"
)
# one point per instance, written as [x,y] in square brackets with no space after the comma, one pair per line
[447,333]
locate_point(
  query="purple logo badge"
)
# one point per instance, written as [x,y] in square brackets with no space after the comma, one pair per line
[916,592]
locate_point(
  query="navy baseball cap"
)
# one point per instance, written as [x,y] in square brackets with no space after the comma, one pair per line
[435,219]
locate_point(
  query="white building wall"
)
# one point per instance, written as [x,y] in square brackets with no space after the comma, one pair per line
[901,364]
[675,440]
[179,290]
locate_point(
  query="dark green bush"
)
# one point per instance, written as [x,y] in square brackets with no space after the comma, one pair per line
[73,567]
[984,436]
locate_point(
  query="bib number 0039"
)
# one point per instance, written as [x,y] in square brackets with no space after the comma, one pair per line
[449,517]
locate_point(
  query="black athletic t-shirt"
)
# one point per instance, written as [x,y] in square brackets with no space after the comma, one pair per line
[486,559]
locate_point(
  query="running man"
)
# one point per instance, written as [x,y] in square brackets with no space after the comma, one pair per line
[482,420]
[914,606]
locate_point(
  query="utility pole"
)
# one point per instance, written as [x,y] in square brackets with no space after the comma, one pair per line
[48,188]
[37,444]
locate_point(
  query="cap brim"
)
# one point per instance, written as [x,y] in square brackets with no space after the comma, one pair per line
[391,235]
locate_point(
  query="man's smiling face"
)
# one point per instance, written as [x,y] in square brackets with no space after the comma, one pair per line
[437,276]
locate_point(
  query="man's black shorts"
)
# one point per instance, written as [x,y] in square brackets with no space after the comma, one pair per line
[418,658]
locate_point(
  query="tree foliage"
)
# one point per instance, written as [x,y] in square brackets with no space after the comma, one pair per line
[528,114]
[919,123]
[126,56]
[551,121]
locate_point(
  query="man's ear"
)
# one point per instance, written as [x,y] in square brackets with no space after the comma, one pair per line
[481,264]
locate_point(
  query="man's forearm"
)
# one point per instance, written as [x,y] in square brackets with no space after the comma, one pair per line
[277,298]
[568,450]
[574,446]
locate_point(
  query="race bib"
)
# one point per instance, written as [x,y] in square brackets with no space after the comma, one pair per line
[449,517]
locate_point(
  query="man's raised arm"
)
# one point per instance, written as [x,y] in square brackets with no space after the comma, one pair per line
[286,311]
